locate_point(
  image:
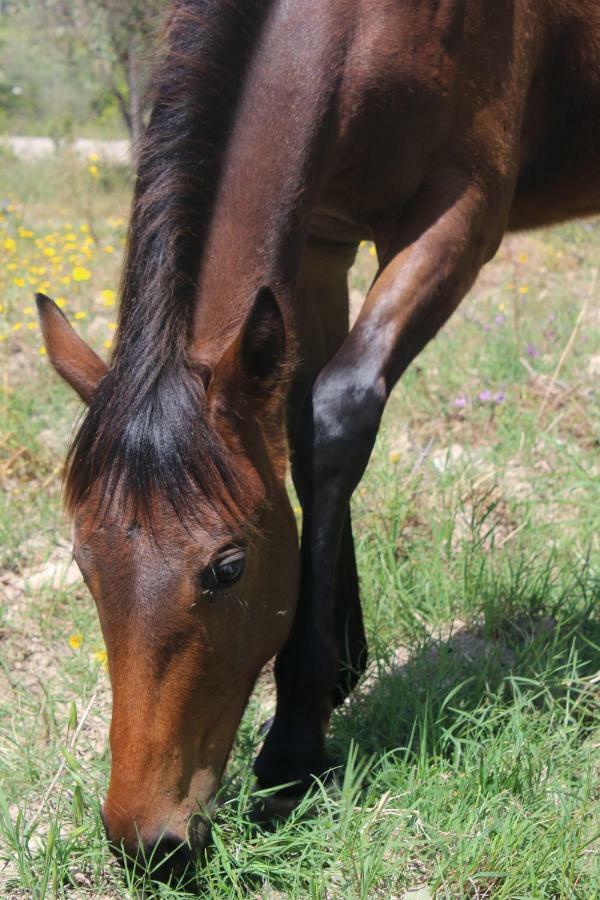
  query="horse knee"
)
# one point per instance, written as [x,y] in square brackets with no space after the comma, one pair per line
[345,415]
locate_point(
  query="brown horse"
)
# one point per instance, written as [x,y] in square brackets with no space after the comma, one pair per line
[282,134]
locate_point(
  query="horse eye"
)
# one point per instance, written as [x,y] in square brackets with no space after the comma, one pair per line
[225,571]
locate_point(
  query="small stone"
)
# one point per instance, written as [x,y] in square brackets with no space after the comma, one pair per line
[55,576]
[418,893]
[444,459]
[594,366]
[80,879]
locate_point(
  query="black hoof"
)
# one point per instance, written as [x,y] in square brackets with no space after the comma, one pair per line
[268,811]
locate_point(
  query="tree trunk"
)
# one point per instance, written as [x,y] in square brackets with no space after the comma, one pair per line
[136,106]
[123,108]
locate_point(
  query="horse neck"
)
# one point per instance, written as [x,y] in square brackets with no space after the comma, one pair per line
[273,167]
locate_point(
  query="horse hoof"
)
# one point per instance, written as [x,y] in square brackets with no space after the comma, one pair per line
[273,809]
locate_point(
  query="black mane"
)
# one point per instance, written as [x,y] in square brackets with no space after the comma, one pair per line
[145,430]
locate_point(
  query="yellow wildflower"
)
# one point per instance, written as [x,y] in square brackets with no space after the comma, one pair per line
[20,282]
[75,641]
[109,249]
[80,273]
[10,244]
[32,325]
[101,658]
[93,158]
[108,344]
[49,251]
[17,326]
[66,279]
[29,310]
[112,325]
[524,289]
[108,297]
[394,456]
[94,172]
[42,351]
[60,302]
[84,228]
[81,315]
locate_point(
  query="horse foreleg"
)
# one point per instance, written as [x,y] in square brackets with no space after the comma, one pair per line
[322,306]
[428,264]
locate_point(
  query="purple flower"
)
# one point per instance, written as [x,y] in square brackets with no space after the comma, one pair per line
[532,351]
[485,396]
[487,327]
[460,402]
[500,397]
[499,319]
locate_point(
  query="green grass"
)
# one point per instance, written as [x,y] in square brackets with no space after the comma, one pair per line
[468,762]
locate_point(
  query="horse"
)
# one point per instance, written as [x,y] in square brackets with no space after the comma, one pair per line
[281,136]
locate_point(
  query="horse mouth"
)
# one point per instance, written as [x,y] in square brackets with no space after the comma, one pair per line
[166,856]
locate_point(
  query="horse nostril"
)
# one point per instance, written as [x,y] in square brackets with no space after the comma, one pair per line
[167,855]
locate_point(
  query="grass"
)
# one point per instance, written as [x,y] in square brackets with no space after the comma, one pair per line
[468,762]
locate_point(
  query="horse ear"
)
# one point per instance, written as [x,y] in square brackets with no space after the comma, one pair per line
[250,368]
[262,342]
[74,361]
